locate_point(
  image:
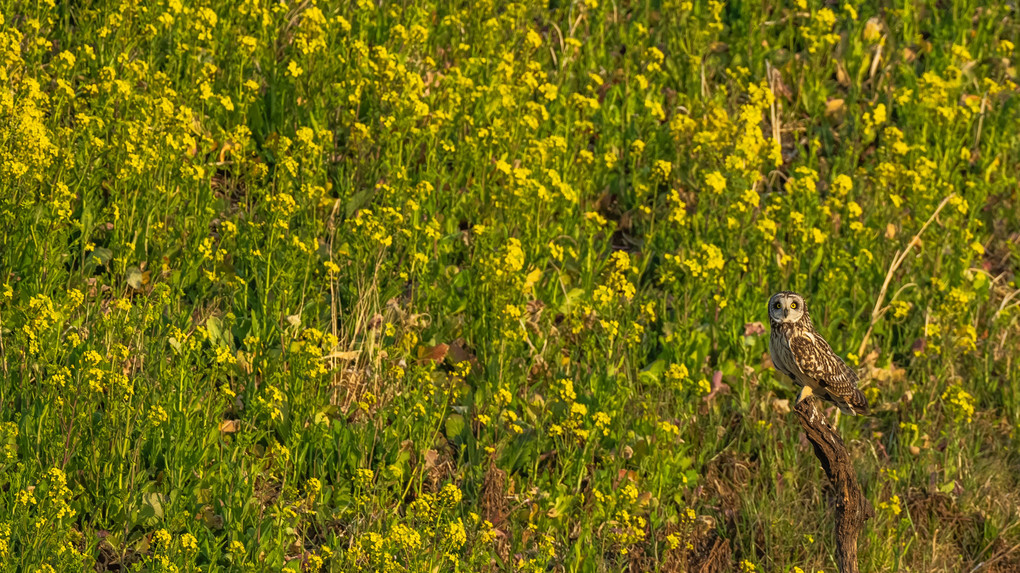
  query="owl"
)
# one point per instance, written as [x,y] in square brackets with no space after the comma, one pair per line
[802,354]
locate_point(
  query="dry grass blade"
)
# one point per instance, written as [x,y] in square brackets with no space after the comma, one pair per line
[898,259]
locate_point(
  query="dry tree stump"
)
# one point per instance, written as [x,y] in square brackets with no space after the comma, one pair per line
[852,508]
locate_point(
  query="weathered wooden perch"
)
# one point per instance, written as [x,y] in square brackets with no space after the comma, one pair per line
[852,508]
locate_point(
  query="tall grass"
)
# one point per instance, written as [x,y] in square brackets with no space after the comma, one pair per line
[434,286]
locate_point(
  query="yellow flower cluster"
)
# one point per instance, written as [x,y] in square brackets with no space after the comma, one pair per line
[892,505]
[617,288]
[959,402]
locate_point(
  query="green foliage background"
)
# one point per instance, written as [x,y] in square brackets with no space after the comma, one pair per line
[461,286]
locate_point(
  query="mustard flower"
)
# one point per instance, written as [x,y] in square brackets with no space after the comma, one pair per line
[716,182]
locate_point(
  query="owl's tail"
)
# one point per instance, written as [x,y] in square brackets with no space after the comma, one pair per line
[854,404]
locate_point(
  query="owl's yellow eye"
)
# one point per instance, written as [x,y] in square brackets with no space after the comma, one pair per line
[777,306]
[793,305]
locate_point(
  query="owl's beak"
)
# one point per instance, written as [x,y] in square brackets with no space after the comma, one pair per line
[786,313]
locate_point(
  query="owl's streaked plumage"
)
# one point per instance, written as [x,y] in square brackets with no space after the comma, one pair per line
[802,354]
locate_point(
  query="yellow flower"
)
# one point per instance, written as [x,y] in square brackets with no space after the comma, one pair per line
[407,538]
[450,495]
[704,387]
[900,308]
[676,374]
[609,158]
[842,185]
[715,181]
[669,428]
[960,402]
[513,260]
[455,533]
[533,39]
[961,52]
[767,227]
[673,541]
[662,168]
[893,505]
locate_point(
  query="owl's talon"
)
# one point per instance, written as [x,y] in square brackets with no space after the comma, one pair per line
[805,391]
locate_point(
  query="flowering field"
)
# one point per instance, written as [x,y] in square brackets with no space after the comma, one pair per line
[479,286]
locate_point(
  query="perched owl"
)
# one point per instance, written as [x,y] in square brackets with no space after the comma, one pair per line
[802,354]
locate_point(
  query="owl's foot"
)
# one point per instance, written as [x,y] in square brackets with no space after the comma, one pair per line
[805,391]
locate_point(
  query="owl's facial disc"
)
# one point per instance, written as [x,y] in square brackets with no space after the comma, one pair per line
[786,307]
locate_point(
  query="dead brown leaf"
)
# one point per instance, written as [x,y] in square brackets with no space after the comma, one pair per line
[430,459]
[834,108]
[434,353]
[754,329]
[841,75]
[348,355]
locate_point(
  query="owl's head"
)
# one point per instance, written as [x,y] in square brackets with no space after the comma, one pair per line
[786,306]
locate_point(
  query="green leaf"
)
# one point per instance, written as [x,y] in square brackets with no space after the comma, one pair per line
[561,506]
[572,297]
[101,255]
[152,508]
[455,425]
[359,200]
[136,279]
[817,261]
[651,374]
[215,327]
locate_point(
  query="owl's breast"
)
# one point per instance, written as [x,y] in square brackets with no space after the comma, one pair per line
[782,356]
[779,349]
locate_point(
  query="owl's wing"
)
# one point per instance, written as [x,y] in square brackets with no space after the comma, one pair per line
[816,359]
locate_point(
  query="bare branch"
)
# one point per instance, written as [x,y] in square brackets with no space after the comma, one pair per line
[852,508]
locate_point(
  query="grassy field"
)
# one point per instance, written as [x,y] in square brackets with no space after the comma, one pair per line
[473,286]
